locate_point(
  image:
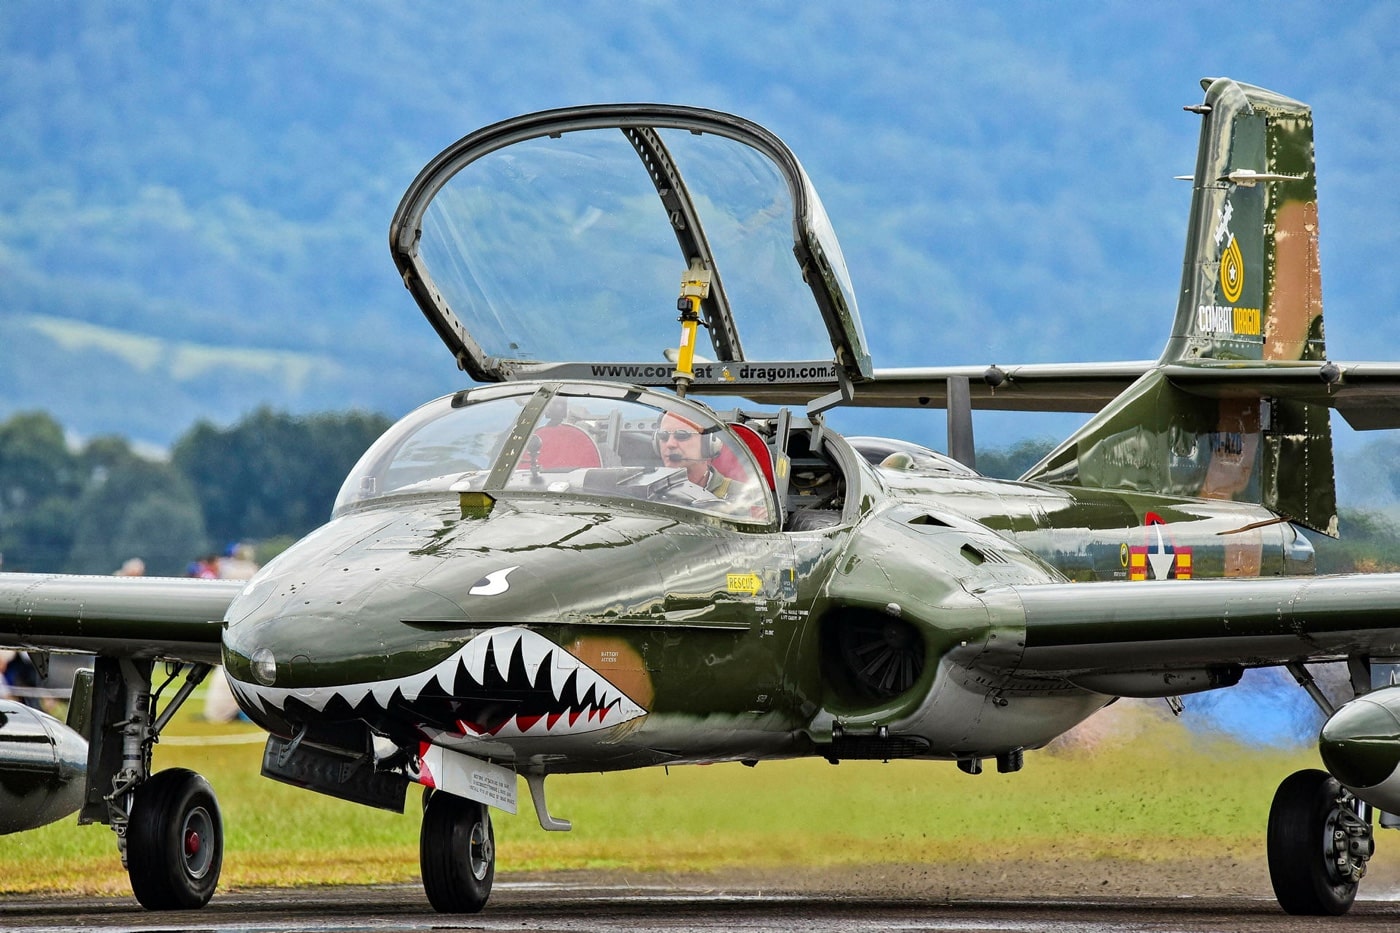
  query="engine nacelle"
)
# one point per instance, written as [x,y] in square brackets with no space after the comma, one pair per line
[1360,745]
[43,768]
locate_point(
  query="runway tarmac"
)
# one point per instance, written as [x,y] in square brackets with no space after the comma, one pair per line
[593,903]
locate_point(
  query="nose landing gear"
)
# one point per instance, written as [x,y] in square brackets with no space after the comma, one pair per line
[457,854]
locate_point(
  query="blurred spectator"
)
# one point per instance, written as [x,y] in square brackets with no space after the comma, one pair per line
[17,671]
[238,563]
[219,705]
[206,568]
[131,567]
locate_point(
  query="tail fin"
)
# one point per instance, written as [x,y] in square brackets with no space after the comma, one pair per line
[1251,288]
[1250,291]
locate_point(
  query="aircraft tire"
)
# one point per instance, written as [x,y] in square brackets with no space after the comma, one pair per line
[175,841]
[1302,821]
[457,854]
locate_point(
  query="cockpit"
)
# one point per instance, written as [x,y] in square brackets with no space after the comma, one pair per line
[552,253]
[598,440]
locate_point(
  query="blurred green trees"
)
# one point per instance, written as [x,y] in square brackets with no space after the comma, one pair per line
[87,507]
[1011,462]
[272,474]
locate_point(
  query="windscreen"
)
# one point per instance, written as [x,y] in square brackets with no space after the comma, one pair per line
[601,442]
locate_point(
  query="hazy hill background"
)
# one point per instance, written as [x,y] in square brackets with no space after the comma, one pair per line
[194,198]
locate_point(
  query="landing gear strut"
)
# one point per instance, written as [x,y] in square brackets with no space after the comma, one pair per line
[169,832]
[1319,841]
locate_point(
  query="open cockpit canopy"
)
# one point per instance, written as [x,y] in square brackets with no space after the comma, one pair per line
[553,246]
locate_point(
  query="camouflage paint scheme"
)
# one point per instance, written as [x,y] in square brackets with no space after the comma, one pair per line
[481,606]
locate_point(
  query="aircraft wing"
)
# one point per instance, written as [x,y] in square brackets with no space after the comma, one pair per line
[136,617]
[1078,630]
[1366,394]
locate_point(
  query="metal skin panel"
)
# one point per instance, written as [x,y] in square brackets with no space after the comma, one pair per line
[1091,535]
[1360,744]
[1158,438]
[1251,283]
[1264,621]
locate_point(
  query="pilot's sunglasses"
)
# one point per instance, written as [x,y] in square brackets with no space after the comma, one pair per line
[680,436]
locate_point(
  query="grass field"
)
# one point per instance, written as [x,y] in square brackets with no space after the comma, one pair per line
[1144,789]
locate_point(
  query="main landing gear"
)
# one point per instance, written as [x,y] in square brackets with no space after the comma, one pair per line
[168,828]
[456,853]
[1318,843]
[174,841]
[1319,837]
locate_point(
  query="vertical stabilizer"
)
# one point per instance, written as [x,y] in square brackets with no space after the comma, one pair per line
[1251,286]
[1251,290]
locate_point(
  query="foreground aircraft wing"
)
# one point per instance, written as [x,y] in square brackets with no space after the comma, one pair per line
[1111,636]
[135,617]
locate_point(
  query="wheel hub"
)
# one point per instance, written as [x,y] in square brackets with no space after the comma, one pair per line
[198,856]
[481,849]
[1349,842]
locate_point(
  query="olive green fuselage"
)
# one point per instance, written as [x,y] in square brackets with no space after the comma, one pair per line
[727,639]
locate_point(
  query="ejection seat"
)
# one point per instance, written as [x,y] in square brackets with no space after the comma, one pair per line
[563,447]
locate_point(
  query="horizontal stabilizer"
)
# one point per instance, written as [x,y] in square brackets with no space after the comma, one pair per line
[1085,387]
[1366,394]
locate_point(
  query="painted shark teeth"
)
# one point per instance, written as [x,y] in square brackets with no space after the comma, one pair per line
[507,682]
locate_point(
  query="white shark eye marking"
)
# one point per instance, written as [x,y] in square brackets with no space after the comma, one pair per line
[494,583]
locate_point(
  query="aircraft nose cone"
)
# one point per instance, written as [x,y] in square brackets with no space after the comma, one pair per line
[327,632]
[1360,745]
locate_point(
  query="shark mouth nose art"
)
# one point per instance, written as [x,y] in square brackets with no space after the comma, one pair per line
[505,682]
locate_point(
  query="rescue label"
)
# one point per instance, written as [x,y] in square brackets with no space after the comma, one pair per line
[750,584]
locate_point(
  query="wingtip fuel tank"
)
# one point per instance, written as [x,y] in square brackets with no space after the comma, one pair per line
[1360,745]
[42,767]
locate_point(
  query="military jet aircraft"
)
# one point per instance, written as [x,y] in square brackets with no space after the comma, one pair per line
[591,560]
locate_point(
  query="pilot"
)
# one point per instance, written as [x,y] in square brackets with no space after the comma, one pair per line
[682,443]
